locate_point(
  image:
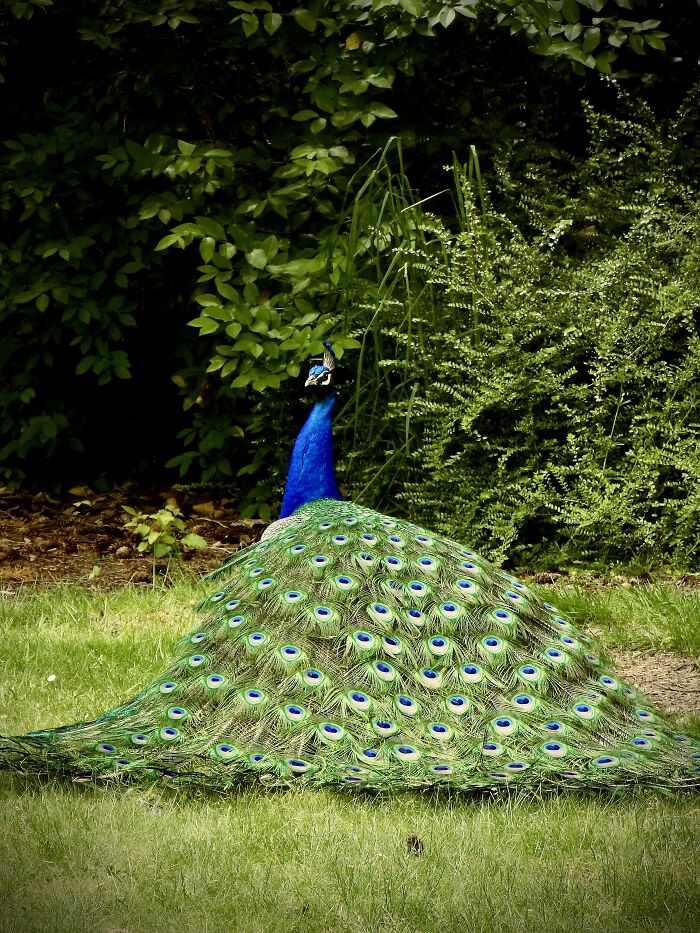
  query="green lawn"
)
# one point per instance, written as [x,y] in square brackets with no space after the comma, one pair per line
[115,860]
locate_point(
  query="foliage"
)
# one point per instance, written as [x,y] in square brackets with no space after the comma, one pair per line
[167,155]
[546,397]
[162,534]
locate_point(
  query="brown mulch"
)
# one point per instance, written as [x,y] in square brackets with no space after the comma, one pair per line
[671,682]
[82,538]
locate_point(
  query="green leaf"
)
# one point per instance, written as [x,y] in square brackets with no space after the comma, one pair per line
[166,241]
[194,541]
[257,258]
[207,247]
[185,148]
[655,42]
[414,7]
[272,22]
[591,39]
[250,23]
[382,111]
[603,61]
[305,18]
[571,11]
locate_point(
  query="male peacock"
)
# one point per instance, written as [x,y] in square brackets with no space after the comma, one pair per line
[348,647]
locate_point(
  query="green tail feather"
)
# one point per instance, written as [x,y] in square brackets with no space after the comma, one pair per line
[351,648]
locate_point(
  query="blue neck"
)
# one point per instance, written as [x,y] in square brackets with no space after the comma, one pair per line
[311,475]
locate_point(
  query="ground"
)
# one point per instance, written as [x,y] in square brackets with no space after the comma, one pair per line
[83,858]
[82,539]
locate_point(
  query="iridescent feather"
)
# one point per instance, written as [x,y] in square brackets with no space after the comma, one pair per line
[351,648]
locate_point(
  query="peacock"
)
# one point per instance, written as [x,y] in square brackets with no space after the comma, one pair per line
[354,649]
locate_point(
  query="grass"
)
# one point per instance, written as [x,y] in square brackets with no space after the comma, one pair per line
[116,860]
[651,617]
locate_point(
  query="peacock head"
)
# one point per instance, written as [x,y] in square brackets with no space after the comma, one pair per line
[321,372]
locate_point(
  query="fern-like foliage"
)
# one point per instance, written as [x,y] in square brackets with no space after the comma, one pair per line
[546,398]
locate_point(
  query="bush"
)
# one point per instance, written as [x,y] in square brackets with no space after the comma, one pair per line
[170,187]
[546,397]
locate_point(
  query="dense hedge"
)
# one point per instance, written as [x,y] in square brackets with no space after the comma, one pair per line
[187,162]
[190,203]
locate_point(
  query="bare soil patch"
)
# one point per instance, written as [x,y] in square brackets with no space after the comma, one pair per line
[83,539]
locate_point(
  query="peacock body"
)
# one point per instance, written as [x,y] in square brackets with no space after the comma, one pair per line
[351,648]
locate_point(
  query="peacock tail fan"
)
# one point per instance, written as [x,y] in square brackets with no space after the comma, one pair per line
[350,648]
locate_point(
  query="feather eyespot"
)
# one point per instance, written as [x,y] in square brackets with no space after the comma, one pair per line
[406,705]
[457,705]
[384,671]
[359,701]
[380,612]
[290,653]
[331,731]
[427,563]
[430,678]
[605,761]
[530,672]
[439,730]
[471,673]
[254,697]
[257,639]
[554,749]
[297,765]
[312,677]
[450,610]
[439,645]
[493,645]
[394,563]
[554,726]
[504,725]
[384,727]
[392,645]
[407,753]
